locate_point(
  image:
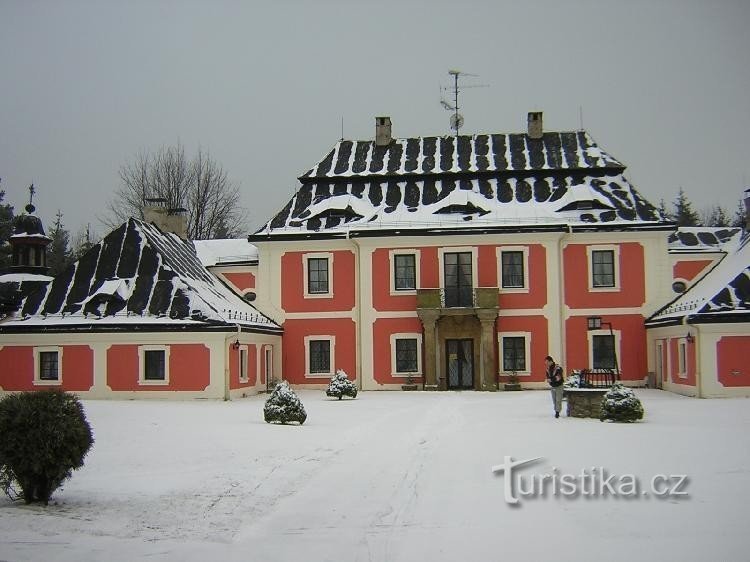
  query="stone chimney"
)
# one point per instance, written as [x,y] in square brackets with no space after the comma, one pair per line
[165,219]
[534,125]
[383,131]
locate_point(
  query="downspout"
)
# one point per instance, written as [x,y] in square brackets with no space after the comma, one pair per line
[227,370]
[698,370]
[358,304]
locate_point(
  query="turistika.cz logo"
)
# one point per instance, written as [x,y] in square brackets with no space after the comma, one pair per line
[593,482]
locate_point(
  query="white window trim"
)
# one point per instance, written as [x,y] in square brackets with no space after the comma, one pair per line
[592,333]
[406,336]
[244,365]
[392,270]
[682,358]
[142,365]
[459,249]
[616,264]
[525,250]
[305,265]
[37,365]
[527,349]
[332,368]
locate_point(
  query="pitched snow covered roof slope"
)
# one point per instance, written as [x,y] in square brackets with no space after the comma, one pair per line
[225,251]
[722,295]
[138,275]
[474,181]
[692,239]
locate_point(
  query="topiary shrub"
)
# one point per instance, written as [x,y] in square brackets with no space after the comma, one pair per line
[621,404]
[341,386]
[44,436]
[284,406]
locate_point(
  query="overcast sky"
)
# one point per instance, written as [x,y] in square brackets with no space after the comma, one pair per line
[263,86]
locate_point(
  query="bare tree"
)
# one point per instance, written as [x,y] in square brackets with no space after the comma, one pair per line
[200,186]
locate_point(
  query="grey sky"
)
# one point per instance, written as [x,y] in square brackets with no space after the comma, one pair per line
[263,86]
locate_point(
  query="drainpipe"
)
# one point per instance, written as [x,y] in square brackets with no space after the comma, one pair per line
[698,371]
[358,304]
[227,370]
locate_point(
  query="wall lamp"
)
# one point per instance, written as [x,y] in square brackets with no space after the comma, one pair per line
[236,344]
[690,338]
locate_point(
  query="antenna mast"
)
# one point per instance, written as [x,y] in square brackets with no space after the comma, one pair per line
[457,120]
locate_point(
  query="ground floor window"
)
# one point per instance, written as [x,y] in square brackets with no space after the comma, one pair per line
[514,353]
[406,354]
[154,365]
[319,355]
[603,351]
[48,365]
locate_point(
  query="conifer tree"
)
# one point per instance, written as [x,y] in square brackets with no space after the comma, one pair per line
[284,406]
[621,404]
[740,215]
[59,255]
[684,215]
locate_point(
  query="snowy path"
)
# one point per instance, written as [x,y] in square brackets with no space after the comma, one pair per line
[388,477]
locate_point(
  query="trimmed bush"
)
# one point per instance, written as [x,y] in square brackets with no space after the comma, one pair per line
[284,406]
[341,386]
[621,404]
[44,436]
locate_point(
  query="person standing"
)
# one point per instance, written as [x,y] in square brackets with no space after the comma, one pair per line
[555,380]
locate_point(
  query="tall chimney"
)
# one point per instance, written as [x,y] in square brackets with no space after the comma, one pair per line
[534,125]
[383,131]
[165,219]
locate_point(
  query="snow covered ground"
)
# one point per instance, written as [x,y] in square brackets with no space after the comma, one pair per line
[390,476]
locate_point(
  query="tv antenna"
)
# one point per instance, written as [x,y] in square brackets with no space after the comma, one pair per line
[457,120]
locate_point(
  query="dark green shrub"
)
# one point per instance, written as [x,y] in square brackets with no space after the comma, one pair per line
[620,404]
[340,386]
[44,436]
[284,406]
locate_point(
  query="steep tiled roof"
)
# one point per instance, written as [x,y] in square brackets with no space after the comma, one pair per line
[488,181]
[701,239]
[723,295]
[138,275]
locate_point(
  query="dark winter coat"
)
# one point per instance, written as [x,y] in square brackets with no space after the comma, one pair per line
[555,375]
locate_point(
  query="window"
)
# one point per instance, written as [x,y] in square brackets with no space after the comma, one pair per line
[320,357]
[602,268]
[514,353]
[682,360]
[317,276]
[404,272]
[243,364]
[603,348]
[153,365]
[406,354]
[48,366]
[512,270]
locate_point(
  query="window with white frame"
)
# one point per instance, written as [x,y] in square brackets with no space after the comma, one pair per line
[319,354]
[514,347]
[318,275]
[153,365]
[682,359]
[404,271]
[603,267]
[47,365]
[406,354]
[243,364]
[514,268]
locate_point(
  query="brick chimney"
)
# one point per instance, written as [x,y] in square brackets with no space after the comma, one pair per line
[534,125]
[383,131]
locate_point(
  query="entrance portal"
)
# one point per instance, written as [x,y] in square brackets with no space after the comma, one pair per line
[459,363]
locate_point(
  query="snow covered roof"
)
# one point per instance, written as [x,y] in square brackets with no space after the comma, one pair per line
[138,275]
[494,180]
[225,251]
[701,239]
[722,295]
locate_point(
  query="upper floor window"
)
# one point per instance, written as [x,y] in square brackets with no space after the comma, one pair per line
[512,269]
[603,267]
[318,275]
[404,272]
[48,365]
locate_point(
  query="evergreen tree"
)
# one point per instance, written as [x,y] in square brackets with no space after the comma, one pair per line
[715,216]
[284,406]
[341,386]
[6,230]
[59,255]
[665,214]
[683,211]
[83,242]
[621,404]
[740,215]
